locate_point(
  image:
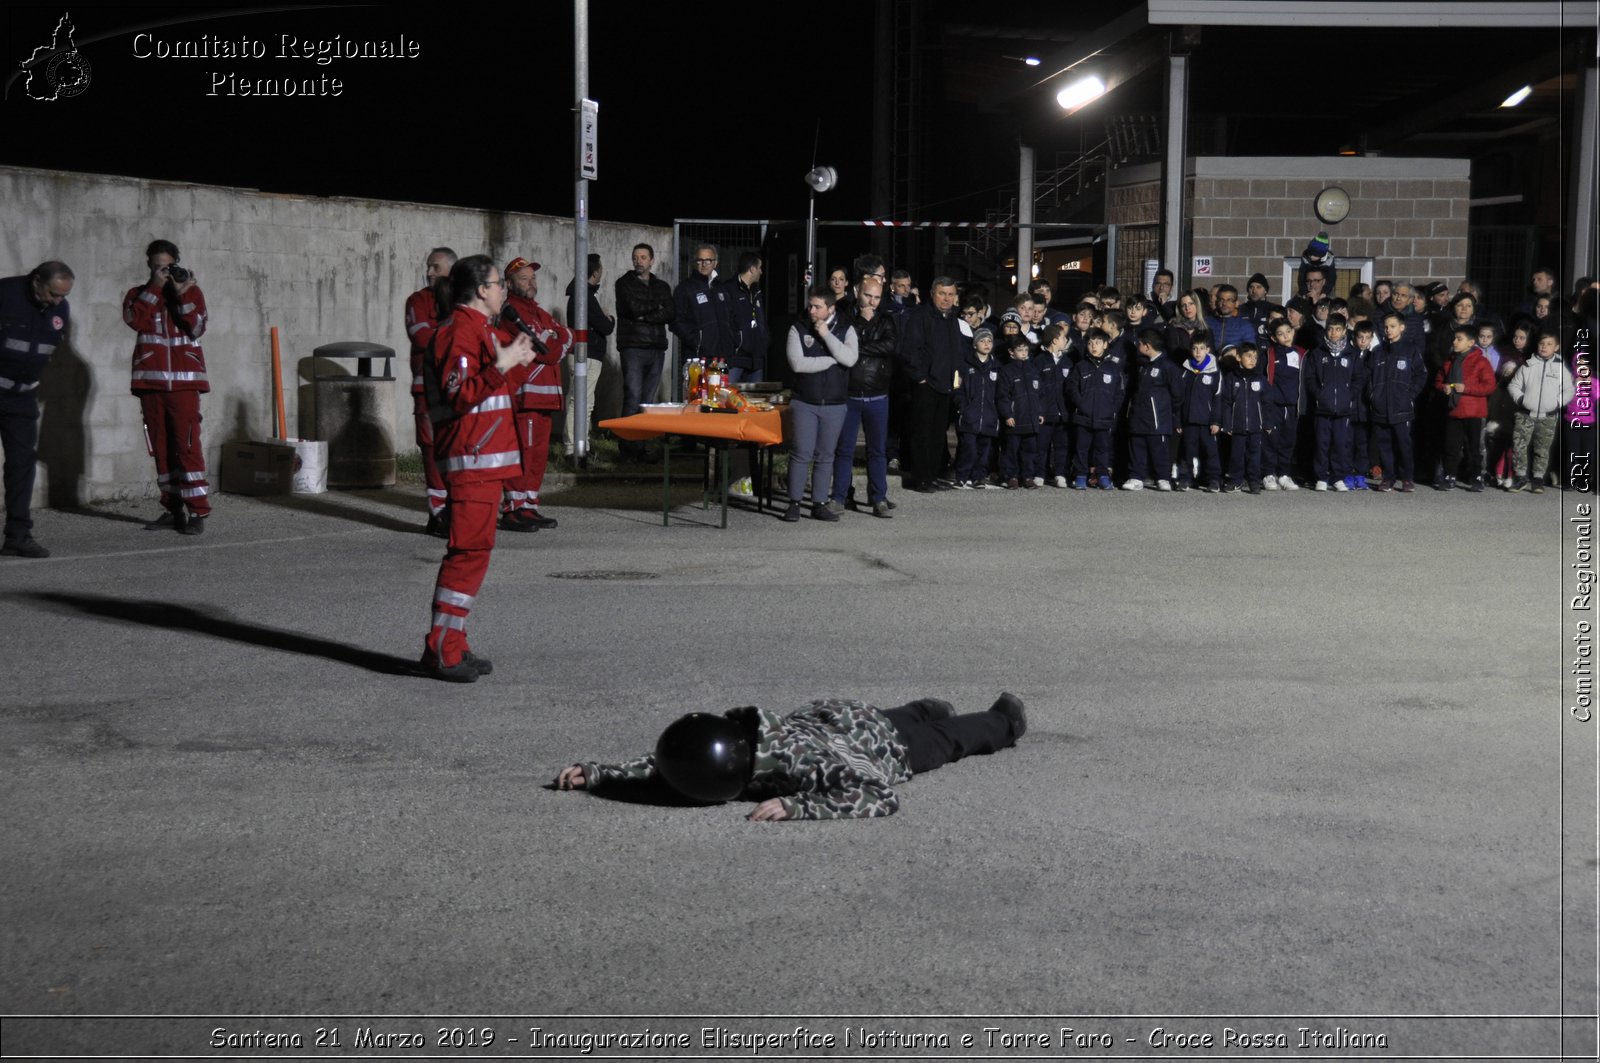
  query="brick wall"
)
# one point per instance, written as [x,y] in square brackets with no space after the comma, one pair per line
[1410,215]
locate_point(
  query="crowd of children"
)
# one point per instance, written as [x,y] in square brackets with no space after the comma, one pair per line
[1207,392]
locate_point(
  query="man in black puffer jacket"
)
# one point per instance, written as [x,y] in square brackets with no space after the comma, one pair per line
[644,309]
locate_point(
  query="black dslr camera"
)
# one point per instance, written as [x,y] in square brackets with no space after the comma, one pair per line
[178,274]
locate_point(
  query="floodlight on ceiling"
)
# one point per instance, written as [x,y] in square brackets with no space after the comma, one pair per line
[1081,92]
[822,178]
[1517,97]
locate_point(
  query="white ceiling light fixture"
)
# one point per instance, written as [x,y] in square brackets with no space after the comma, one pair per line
[1080,92]
[822,178]
[1517,97]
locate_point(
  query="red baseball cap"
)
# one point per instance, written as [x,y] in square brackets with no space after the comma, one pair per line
[521,263]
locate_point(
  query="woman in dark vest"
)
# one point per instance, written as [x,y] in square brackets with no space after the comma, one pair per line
[822,347]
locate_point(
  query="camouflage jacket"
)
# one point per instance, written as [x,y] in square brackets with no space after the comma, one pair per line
[834,759]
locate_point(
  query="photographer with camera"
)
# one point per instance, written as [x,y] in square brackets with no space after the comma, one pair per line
[169,375]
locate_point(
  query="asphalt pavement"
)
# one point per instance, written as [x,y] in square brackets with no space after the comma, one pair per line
[1289,755]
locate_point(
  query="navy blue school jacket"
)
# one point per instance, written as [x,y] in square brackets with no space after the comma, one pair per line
[1242,406]
[1095,390]
[1201,386]
[1052,386]
[1333,381]
[1156,393]
[980,385]
[1396,375]
[1018,398]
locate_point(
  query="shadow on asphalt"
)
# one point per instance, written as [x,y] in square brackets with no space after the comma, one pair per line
[326,508]
[215,623]
[106,514]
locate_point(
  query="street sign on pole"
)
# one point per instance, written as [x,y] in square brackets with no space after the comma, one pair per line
[589,126]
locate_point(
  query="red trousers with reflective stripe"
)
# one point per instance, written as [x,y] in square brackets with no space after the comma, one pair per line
[533,436]
[172,431]
[466,560]
[438,494]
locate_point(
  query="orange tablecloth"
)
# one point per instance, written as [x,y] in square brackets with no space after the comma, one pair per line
[746,426]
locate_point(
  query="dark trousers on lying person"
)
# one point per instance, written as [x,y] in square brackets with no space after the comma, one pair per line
[935,736]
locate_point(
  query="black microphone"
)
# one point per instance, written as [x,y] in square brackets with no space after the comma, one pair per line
[516,319]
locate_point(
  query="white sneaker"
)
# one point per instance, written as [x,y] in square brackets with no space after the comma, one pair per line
[1133,485]
[1270,483]
[964,485]
[1340,485]
[1038,481]
[1163,485]
[1322,485]
[1061,481]
[1288,484]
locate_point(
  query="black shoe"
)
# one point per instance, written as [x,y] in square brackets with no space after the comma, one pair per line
[482,664]
[1475,486]
[881,509]
[438,526]
[193,526]
[532,513]
[821,511]
[1010,706]
[1229,489]
[512,523]
[26,546]
[792,514]
[1179,485]
[465,672]
[1253,487]
[169,521]
[1445,483]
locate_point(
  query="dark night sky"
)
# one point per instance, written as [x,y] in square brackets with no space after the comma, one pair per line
[709,113]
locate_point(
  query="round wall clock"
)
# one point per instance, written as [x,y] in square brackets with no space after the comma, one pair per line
[1332,204]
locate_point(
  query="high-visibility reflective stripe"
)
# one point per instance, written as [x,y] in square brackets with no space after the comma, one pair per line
[414,329]
[481,461]
[193,492]
[18,345]
[147,297]
[164,478]
[12,385]
[45,348]
[187,308]
[445,596]
[191,477]
[493,402]
[449,621]
[168,341]
[542,389]
[417,381]
[153,374]
[438,492]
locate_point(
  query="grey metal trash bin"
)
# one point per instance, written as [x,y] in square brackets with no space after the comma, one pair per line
[355,414]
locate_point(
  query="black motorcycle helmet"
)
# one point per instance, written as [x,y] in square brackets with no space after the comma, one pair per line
[705,757]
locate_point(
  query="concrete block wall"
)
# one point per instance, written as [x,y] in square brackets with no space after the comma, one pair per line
[320,269]
[1410,215]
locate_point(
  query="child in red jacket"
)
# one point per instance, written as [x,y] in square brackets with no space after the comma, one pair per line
[1467,380]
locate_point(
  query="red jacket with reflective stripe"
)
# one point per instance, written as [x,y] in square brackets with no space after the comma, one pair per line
[542,391]
[480,445]
[167,356]
[422,320]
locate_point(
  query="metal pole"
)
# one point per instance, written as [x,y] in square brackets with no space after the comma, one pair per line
[1581,190]
[811,252]
[1025,220]
[578,431]
[1173,171]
